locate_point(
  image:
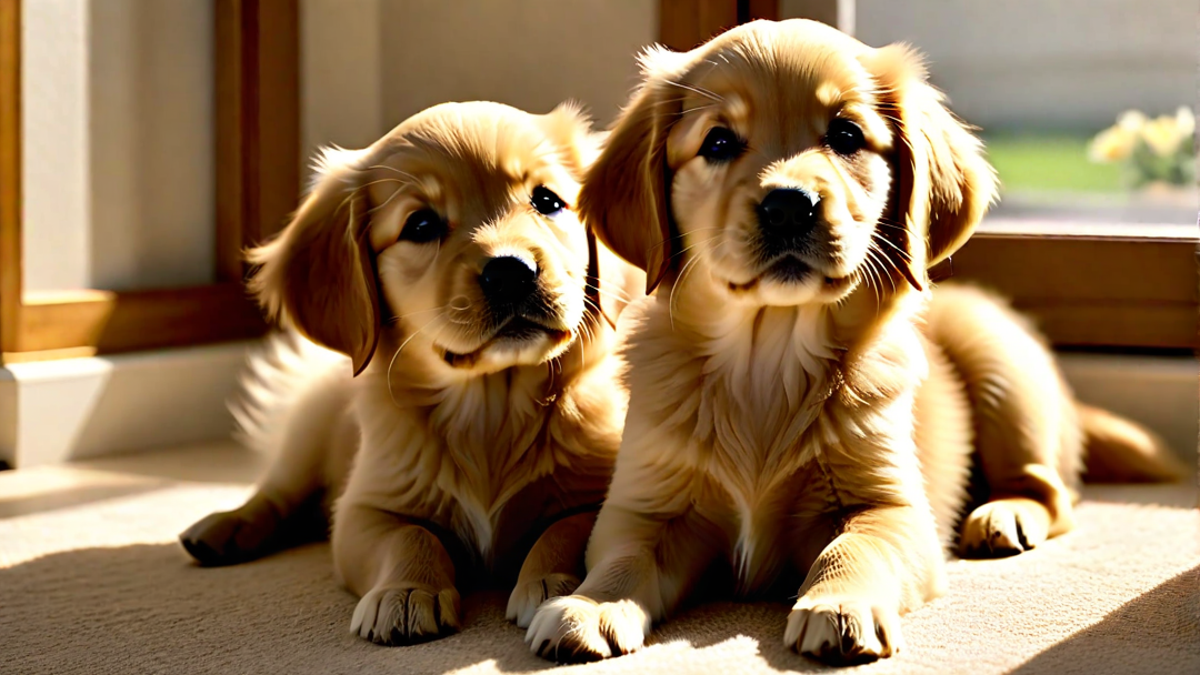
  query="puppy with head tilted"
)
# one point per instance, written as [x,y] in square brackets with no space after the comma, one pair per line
[802,415]
[445,265]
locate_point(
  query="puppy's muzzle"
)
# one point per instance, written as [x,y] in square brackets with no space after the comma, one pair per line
[786,218]
[508,282]
[519,309]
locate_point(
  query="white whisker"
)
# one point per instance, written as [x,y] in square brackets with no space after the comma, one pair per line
[392,168]
[387,201]
[396,319]
[392,363]
[697,90]
[674,287]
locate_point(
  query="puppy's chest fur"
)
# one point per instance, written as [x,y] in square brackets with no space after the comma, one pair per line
[486,461]
[757,420]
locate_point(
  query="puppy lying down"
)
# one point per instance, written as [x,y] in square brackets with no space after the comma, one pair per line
[447,266]
[803,411]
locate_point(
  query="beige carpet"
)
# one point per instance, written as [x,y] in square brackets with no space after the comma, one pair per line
[92,582]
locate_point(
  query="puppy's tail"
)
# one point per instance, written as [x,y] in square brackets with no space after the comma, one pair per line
[1119,450]
[285,369]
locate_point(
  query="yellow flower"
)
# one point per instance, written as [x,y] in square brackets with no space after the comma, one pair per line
[1131,121]
[1186,119]
[1112,145]
[1163,135]
[1118,141]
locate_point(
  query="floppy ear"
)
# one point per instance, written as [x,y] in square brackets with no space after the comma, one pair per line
[624,197]
[570,128]
[319,273]
[944,184]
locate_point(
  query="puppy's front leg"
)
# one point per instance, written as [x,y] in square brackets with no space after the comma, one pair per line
[885,562]
[642,566]
[402,573]
[553,567]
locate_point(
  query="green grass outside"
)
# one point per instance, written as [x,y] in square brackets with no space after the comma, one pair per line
[1049,162]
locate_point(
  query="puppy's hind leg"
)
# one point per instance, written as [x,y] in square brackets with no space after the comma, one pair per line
[1028,439]
[265,524]
[310,434]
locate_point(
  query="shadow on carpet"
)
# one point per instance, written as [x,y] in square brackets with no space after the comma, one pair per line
[1131,639]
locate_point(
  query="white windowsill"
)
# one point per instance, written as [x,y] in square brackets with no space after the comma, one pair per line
[58,411]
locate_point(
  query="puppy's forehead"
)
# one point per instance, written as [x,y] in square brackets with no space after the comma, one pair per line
[473,143]
[784,70]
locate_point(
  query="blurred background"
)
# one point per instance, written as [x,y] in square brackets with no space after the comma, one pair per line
[155,138]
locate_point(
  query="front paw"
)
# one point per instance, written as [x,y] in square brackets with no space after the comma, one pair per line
[842,632]
[576,629]
[528,596]
[401,614]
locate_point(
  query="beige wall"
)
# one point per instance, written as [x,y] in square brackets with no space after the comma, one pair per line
[369,64]
[151,92]
[341,89]
[1047,63]
[55,144]
[118,143]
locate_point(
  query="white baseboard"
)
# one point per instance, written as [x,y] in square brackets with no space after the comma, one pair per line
[57,411]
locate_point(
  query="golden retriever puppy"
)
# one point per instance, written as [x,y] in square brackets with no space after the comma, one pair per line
[793,422]
[446,265]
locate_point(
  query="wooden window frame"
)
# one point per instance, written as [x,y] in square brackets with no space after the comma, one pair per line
[1125,292]
[1133,290]
[257,185]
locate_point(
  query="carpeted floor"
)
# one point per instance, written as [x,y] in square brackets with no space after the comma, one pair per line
[91,581]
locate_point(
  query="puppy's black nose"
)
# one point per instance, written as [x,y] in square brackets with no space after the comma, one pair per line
[507,280]
[787,213]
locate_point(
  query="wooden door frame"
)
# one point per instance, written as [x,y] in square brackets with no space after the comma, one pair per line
[257,185]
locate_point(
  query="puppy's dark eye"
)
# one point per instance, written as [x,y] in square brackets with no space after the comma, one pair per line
[546,202]
[844,137]
[721,145]
[423,227]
